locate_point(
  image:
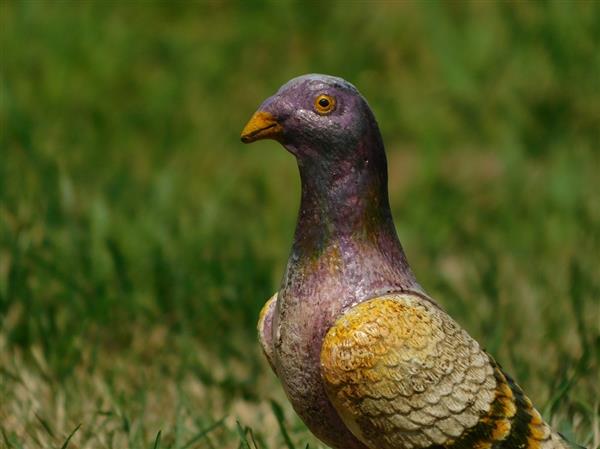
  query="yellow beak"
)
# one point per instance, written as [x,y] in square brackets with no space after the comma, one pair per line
[262,125]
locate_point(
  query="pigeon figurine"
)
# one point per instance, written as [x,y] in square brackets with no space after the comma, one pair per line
[367,359]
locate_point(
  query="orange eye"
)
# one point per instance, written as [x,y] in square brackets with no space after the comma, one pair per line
[324,104]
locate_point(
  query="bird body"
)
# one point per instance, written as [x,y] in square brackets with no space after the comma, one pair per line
[366,358]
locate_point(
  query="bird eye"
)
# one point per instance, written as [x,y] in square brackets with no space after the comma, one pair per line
[324,104]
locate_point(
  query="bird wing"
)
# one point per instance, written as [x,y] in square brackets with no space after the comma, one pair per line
[402,374]
[265,326]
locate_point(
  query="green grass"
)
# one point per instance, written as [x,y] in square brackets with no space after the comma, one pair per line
[139,238]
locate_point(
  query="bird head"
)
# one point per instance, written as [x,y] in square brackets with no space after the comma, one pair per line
[315,117]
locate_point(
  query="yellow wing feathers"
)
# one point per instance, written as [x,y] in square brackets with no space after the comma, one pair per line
[264,327]
[402,374]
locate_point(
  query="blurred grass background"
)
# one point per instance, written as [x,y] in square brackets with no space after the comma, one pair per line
[139,238]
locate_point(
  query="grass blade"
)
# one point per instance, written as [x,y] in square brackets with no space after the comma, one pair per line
[242,433]
[278,412]
[157,440]
[204,432]
[45,425]
[66,443]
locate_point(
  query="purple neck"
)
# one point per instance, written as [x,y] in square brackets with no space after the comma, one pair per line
[345,205]
[342,202]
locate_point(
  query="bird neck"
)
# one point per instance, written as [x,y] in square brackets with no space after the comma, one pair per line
[341,201]
[345,218]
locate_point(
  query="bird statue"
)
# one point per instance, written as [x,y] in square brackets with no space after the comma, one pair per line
[367,359]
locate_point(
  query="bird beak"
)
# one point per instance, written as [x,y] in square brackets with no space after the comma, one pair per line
[262,125]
